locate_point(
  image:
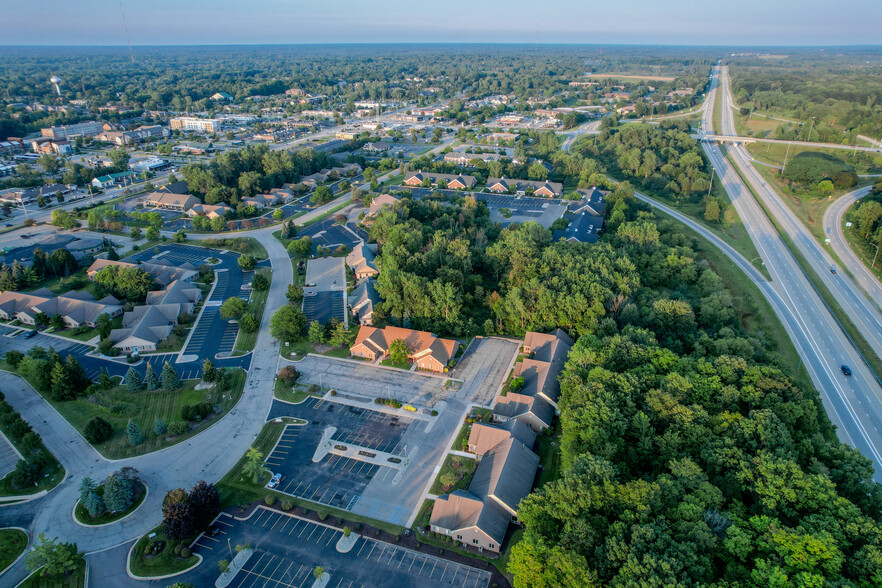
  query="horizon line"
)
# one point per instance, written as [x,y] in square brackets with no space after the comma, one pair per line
[460,43]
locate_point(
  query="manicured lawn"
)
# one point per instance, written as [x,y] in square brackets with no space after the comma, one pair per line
[295,395]
[77,579]
[83,516]
[90,333]
[12,543]
[297,349]
[390,363]
[244,245]
[245,341]
[548,449]
[76,281]
[462,469]
[161,564]
[117,406]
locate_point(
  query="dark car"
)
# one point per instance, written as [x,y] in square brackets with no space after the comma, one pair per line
[832,270]
[845,370]
[212,531]
[30,334]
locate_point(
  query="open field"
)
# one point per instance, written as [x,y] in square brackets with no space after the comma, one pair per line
[864,162]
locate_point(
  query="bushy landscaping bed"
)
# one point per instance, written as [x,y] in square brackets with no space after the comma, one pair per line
[157,556]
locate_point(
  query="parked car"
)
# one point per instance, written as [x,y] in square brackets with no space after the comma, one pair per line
[30,334]
[274,481]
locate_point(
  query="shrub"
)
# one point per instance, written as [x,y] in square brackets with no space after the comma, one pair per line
[186,552]
[97,430]
[269,499]
[178,549]
[289,375]
[322,516]
[178,428]
[287,505]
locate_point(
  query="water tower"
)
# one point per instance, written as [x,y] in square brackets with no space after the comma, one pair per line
[55,80]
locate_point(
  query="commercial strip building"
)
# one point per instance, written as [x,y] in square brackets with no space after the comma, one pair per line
[189,123]
[426,350]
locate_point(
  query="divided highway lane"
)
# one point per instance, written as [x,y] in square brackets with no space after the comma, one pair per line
[861,311]
[833,219]
[853,404]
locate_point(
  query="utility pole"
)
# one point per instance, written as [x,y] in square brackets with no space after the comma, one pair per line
[786,155]
[713,169]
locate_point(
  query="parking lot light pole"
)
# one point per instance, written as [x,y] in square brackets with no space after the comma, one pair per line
[231,548]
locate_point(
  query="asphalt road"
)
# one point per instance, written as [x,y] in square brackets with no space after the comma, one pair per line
[853,404]
[833,218]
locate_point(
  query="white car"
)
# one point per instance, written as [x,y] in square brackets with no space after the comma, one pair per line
[274,481]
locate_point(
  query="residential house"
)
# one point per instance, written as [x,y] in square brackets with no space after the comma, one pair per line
[454,181]
[362,301]
[145,327]
[75,308]
[479,517]
[520,187]
[261,201]
[535,403]
[361,260]
[378,202]
[426,350]
[170,201]
[484,437]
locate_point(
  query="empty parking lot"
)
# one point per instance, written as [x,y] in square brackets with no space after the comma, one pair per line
[287,549]
[336,480]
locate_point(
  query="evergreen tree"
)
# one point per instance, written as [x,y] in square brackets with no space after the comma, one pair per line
[159,428]
[209,372]
[87,486]
[134,433]
[104,380]
[170,379]
[118,490]
[112,255]
[151,381]
[134,384]
[94,504]
[62,388]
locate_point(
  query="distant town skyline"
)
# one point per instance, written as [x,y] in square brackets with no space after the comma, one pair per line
[223,22]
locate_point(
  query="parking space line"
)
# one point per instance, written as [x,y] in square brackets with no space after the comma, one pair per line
[313,531]
[360,549]
[331,538]
[324,530]
[373,546]
[305,527]
[294,528]
[281,518]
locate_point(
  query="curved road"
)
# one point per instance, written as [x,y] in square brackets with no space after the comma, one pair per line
[834,216]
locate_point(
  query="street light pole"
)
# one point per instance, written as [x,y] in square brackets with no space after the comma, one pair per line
[230,547]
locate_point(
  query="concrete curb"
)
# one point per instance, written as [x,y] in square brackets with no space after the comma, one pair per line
[10,500]
[237,564]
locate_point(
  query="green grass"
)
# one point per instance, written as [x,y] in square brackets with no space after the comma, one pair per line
[243,245]
[462,472]
[236,489]
[717,119]
[394,180]
[549,456]
[82,515]
[389,363]
[326,214]
[76,579]
[166,562]
[864,162]
[12,543]
[116,406]
[853,333]
[294,395]
[245,341]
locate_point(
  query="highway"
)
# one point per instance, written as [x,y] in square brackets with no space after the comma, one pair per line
[854,404]
[861,310]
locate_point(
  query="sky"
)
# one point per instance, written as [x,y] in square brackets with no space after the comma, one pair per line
[652,22]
